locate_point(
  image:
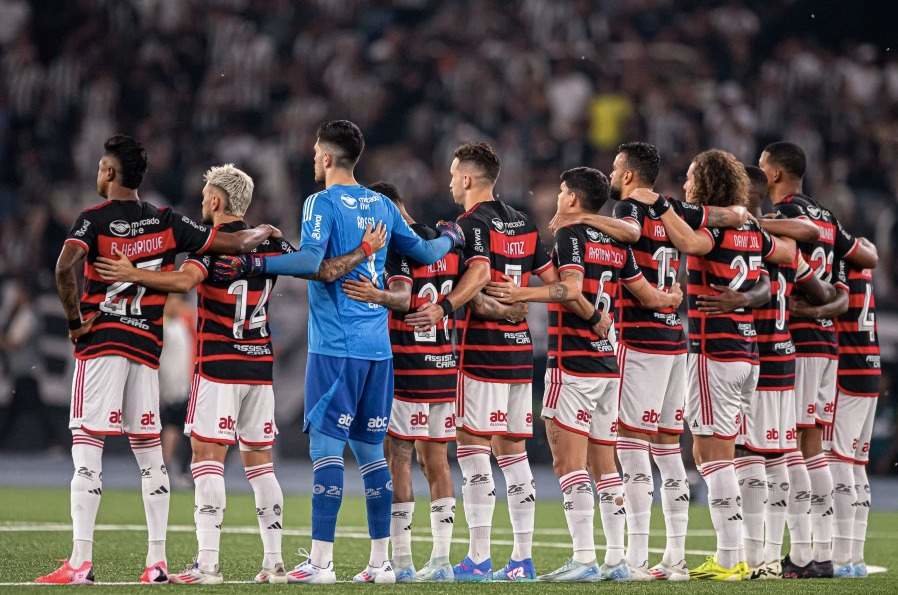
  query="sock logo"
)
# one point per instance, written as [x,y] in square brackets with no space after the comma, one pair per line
[146,471]
[260,511]
[841,488]
[641,478]
[568,506]
[682,498]
[373,492]
[515,488]
[85,473]
[275,525]
[529,498]
[721,502]
[160,491]
[757,483]
[802,495]
[606,498]
[672,484]
[207,509]
[276,509]
[479,478]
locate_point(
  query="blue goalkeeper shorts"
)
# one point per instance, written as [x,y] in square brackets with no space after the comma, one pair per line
[348,398]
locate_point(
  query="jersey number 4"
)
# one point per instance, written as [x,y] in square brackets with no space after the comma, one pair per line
[259,317]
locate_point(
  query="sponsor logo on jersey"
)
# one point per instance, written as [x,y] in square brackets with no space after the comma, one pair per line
[140,323]
[498,224]
[503,226]
[316,228]
[120,228]
[82,230]
[254,350]
[873,361]
[350,201]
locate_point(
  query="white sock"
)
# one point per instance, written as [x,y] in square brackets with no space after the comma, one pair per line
[521,491]
[379,552]
[442,521]
[674,499]
[639,489]
[610,492]
[322,553]
[777,501]
[726,510]
[86,489]
[156,494]
[798,513]
[844,499]
[861,512]
[208,513]
[821,506]
[269,511]
[401,533]
[579,512]
[751,476]
[479,498]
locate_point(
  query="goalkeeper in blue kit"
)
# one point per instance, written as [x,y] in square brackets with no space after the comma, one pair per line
[349,373]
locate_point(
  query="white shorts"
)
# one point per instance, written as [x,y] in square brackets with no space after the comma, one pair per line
[652,391]
[113,395]
[584,405]
[815,390]
[716,393]
[417,420]
[224,413]
[768,422]
[852,427]
[494,408]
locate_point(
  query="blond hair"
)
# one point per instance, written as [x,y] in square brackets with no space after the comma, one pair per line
[236,184]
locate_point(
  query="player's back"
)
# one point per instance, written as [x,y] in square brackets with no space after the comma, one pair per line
[734,261]
[338,325]
[130,315]
[424,361]
[775,347]
[493,350]
[604,262]
[233,337]
[859,357]
[641,328]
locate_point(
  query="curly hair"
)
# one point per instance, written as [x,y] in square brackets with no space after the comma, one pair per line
[719,179]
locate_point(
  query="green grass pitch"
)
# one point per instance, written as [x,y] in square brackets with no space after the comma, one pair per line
[34,534]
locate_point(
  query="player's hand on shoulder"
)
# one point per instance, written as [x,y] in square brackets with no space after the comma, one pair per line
[453,231]
[115,269]
[229,268]
[361,289]
[274,232]
[743,214]
[564,220]
[84,329]
[375,237]
[645,196]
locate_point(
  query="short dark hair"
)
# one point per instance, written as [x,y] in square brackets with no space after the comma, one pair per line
[788,156]
[388,190]
[346,137]
[132,158]
[482,155]
[590,185]
[756,175]
[643,158]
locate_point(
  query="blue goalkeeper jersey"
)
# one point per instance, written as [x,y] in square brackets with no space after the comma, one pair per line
[333,223]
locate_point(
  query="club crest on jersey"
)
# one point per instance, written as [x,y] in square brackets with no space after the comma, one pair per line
[349,201]
[498,224]
[120,228]
[592,234]
[813,211]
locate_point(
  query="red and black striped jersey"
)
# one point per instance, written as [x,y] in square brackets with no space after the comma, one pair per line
[736,260]
[605,263]
[233,339]
[129,322]
[506,238]
[424,362]
[817,338]
[775,347]
[859,361]
[640,328]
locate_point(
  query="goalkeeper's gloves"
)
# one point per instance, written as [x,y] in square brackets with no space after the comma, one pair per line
[453,231]
[228,268]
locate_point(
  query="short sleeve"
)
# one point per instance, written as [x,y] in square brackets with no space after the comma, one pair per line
[317,223]
[845,242]
[541,259]
[630,271]
[568,250]
[83,233]
[695,216]
[190,236]
[630,210]
[398,267]
[790,210]
[477,239]
[768,244]
[841,281]
[201,261]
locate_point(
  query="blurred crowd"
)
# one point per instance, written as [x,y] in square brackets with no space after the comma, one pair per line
[550,83]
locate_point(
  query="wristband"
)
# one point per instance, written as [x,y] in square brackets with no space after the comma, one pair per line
[595,319]
[447,307]
[661,205]
[75,324]
[366,248]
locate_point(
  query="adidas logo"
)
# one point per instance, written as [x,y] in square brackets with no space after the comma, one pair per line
[780,504]
[275,525]
[491,494]
[682,498]
[530,498]
[735,517]
[160,491]
[828,512]
[449,520]
[620,511]
[96,491]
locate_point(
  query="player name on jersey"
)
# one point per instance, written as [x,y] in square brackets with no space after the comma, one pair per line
[859,357]
[424,362]
[734,261]
[233,338]
[130,316]
[642,329]
[509,242]
[573,346]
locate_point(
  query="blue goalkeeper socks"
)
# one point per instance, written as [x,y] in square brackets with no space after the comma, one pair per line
[378,486]
[327,479]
